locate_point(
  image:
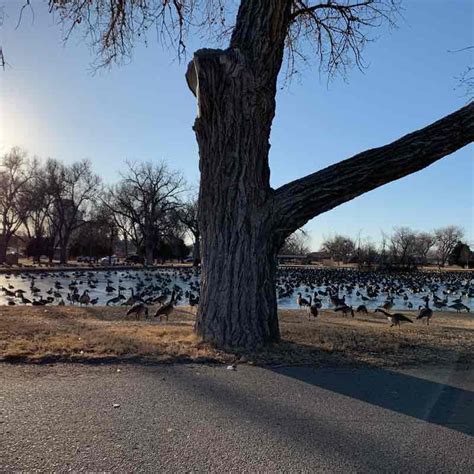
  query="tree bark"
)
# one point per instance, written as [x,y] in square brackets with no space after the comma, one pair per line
[237,303]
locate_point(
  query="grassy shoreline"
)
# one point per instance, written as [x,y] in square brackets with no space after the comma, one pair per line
[105,335]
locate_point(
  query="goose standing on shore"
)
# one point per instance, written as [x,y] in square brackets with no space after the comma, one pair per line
[425,312]
[138,310]
[165,310]
[394,319]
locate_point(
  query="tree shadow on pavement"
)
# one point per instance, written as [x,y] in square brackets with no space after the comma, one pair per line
[429,401]
[302,422]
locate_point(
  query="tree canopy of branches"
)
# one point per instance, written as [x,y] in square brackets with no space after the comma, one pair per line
[296,244]
[340,248]
[242,220]
[145,197]
[446,239]
[71,189]
[14,177]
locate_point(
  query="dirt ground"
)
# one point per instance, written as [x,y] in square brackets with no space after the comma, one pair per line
[48,334]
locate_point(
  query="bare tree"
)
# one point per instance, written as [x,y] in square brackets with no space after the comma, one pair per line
[126,229]
[296,244]
[446,239]
[188,214]
[14,177]
[72,188]
[243,221]
[366,254]
[423,243]
[403,246]
[38,206]
[98,236]
[146,195]
[339,247]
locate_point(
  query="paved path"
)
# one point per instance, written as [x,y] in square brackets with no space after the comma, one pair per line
[198,418]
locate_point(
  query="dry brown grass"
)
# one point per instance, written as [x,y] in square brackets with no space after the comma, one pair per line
[45,334]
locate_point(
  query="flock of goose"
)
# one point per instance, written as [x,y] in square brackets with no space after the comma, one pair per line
[339,289]
[445,291]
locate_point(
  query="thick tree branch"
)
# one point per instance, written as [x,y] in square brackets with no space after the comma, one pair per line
[305,198]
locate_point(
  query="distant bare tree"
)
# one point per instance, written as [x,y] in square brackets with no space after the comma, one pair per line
[126,229]
[296,244]
[367,254]
[98,236]
[146,195]
[339,247]
[38,206]
[446,239]
[403,246]
[424,241]
[72,189]
[14,178]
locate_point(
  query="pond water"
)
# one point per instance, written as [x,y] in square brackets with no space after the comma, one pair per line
[372,289]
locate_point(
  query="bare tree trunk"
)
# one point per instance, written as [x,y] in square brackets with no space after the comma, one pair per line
[238,303]
[3,251]
[63,254]
[149,247]
[197,249]
[125,243]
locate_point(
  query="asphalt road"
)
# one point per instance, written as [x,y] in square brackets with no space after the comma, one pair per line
[186,418]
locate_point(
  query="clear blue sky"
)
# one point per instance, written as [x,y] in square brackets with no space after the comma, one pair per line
[53,106]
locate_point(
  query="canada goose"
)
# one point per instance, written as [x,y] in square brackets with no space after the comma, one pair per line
[193,300]
[345,310]
[425,312]
[132,299]
[388,305]
[160,299]
[165,310]
[362,309]
[8,292]
[114,300]
[459,307]
[84,298]
[300,301]
[395,319]
[138,310]
[24,300]
[313,310]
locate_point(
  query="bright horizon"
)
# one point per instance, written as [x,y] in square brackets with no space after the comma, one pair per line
[53,106]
